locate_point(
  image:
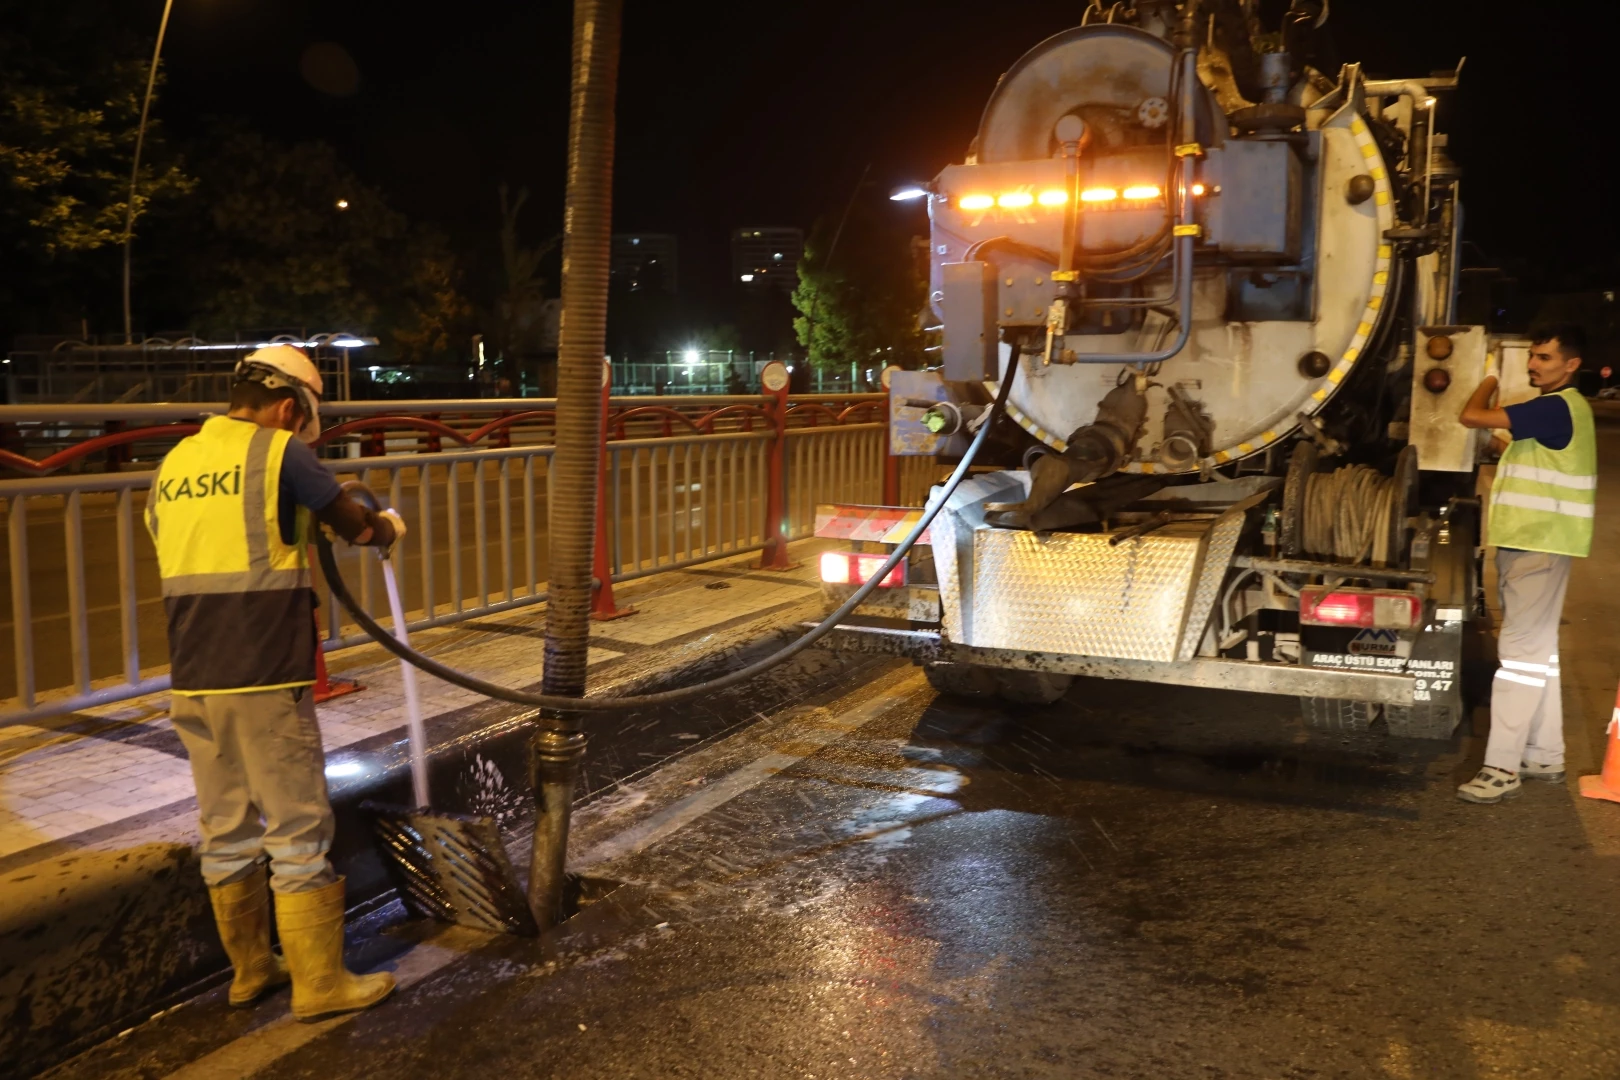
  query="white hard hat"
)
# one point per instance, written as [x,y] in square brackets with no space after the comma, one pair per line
[284,366]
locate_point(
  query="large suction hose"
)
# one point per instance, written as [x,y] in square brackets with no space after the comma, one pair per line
[340,591]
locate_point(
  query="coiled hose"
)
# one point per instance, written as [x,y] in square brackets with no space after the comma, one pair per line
[1347,514]
[340,592]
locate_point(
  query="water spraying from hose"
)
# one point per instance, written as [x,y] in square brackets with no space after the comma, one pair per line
[413,704]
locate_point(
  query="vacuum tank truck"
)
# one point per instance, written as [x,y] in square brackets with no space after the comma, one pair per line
[1222,280]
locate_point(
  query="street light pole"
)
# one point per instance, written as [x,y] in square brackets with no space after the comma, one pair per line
[135,169]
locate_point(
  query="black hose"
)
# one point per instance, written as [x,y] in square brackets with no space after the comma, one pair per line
[340,592]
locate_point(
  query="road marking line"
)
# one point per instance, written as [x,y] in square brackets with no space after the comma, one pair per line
[683,812]
[264,1046]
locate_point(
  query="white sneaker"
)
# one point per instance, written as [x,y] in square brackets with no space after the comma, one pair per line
[1551,774]
[1492,785]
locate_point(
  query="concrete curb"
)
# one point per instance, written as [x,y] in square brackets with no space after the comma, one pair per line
[92,943]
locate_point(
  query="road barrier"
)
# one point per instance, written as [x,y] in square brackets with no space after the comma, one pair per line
[686,480]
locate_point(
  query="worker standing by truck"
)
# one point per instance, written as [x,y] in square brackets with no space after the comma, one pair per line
[230,513]
[1541,514]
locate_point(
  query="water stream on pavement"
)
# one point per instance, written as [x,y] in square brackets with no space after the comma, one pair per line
[413,707]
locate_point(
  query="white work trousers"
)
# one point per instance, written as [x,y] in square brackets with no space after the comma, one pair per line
[261,785]
[1527,708]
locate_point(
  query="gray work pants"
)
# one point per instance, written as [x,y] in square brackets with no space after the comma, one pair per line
[261,785]
[1527,708]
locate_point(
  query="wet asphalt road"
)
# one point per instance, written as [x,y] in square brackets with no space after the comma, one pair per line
[1138,881]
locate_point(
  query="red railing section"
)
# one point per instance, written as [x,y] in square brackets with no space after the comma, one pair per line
[435,433]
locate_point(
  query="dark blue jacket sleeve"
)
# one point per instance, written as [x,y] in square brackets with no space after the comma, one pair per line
[304,480]
[1545,419]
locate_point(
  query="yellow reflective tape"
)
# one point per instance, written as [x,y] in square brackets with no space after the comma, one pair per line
[1190,149]
[1320,395]
[1368,150]
[1374,303]
[1222,456]
[1364,329]
[1336,376]
[1381,278]
[1147,466]
[1382,198]
[1350,354]
[1245,448]
[1378,173]
[1268,436]
[1385,251]
[1188,230]
[1357,126]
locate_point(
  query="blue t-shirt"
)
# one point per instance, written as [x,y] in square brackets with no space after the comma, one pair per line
[304,482]
[1545,419]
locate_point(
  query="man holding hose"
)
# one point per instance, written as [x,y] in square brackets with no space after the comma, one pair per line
[1541,515]
[230,514]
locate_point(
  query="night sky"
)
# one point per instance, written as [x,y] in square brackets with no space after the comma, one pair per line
[767,113]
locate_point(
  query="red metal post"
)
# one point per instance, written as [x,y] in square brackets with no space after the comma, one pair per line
[602,605]
[773,384]
[327,688]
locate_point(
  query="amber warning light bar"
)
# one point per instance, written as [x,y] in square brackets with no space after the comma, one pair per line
[1051,198]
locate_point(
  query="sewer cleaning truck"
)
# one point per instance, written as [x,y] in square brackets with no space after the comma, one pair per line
[1220,274]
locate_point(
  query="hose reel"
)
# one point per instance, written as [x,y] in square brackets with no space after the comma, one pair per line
[1353,514]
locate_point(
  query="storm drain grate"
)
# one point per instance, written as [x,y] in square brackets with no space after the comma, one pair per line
[451,867]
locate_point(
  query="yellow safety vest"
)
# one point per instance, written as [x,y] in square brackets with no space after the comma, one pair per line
[240,609]
[1543,499]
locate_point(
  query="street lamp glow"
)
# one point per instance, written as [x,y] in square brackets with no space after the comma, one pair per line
[690,356]
[343,204]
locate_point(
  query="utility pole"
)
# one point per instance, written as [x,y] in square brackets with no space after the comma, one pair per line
[587,229]
[135,169]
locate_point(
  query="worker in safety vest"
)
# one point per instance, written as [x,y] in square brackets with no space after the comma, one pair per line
[230,513]
[1540,516]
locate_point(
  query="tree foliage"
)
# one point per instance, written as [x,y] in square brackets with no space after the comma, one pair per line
[71,84]
[288,236]
[860,302]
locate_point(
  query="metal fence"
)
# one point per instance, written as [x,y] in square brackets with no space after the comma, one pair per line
[86,616]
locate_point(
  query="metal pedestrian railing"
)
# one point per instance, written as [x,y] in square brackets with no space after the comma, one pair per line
[87,625]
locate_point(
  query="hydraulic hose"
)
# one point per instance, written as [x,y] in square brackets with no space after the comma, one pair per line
[340,592]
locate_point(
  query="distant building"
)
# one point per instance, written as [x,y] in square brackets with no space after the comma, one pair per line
[766,258]
[643,261]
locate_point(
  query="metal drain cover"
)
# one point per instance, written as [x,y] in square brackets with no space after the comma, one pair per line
[451,867]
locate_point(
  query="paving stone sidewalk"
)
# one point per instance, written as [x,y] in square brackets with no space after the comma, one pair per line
[108,777]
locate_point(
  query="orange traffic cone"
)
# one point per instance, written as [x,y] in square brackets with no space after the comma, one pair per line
[1607,784]
[327,688]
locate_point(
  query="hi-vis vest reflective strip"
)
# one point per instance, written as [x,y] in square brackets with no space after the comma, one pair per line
[238,596]
[1543,499]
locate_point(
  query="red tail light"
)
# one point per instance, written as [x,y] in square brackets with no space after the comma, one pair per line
[1359,607]
[854,568]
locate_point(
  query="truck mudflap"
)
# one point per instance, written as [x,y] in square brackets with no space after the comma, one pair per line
[1387,687]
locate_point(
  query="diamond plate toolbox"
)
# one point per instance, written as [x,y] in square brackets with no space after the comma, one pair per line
[1072,593]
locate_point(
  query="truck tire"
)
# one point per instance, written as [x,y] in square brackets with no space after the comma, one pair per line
[1421,721]
[1337,714]
[1032,687]
[961,680]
